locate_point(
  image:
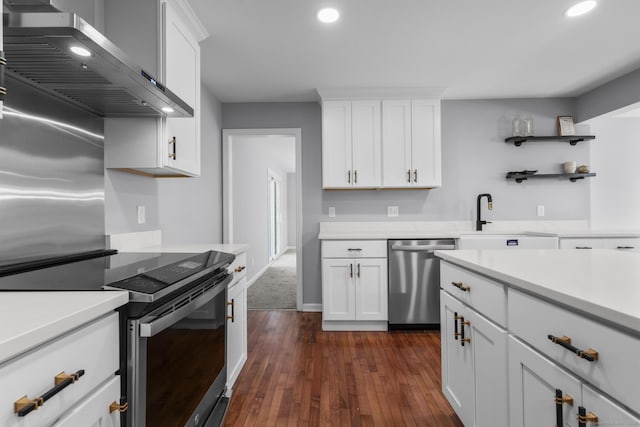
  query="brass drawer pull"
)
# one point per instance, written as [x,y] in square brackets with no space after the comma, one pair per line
[354,249]
[25,406]
[122,406]
[584,417]
[239,269]
[461,286]
[560,400]
[462,325]
[174,143]
[232,303]
[590,355]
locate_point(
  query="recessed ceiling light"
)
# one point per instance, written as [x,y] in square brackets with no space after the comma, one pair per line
[580,8]
[328,15]
[80,51]
[168,109]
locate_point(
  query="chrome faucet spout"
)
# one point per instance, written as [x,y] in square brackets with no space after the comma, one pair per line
[479,221]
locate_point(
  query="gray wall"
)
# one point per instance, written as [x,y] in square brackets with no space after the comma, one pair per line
[475,159]
[188,210]
[616,94]
[191,208]
[304,115]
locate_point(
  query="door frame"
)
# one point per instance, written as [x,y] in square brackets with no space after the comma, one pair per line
[273,176]
[227,190]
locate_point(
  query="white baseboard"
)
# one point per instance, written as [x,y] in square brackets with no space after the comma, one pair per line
[312,307]
[350,325]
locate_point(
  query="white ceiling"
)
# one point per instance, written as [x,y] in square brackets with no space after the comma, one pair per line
[276,50]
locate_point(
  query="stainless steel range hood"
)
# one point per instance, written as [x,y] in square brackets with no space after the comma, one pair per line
[108,83]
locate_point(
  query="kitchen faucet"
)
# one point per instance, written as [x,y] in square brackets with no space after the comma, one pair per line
[479,221]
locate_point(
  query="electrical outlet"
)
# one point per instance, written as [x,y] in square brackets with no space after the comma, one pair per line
[392,211]
[540,210]
[142,214]
[332,212]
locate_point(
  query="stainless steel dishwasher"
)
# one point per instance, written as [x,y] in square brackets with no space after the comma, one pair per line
[414,283]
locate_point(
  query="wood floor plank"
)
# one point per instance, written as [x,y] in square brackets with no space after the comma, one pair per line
[298,375]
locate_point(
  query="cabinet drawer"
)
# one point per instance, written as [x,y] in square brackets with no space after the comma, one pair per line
[92,348]
[239,268]
[489,298]
[354,248]
[94,410]
[614,371]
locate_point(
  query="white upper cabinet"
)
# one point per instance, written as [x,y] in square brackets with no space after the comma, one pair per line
[164,38]
[351,144]
[411,150]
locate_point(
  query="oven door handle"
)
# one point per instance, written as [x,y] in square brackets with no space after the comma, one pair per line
[159,324]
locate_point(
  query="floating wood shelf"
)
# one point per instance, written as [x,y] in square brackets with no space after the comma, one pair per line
[572,139]
[573,177]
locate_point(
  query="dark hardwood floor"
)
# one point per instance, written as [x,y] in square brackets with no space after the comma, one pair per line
[298,375]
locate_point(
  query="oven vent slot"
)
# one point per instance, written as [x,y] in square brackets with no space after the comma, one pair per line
[197,293]
[209,286]
[181,303]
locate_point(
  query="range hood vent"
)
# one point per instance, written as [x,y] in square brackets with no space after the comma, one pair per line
[108,83]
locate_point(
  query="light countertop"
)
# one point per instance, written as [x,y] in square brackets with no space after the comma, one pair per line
[29,319]
[343,230]
[196,248]
[601,282]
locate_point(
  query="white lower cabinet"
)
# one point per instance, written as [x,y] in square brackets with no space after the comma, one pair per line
[236,331]
[543,394]
[354,289]
[474,364]
[621,243]
[96,410]
[91,353]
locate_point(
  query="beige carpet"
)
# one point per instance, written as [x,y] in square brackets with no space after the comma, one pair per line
[276,288]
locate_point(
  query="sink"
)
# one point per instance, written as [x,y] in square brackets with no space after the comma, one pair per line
[506,241]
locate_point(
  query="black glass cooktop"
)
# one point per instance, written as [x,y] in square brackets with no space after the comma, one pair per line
[141,272]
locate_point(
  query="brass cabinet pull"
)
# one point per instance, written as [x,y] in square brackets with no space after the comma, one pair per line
[350,270]
[174,143]
[3,89]
[560,400]
[354,249]
[462,325]
[239,268]
[461,286]
[355,177]
[358,274]
[415,175]
[121,406]
[626,247]
[25,406]
[349,177]
[585,417]
[590,355]
[456,334]
[584,247]
[409,175]
[232,303]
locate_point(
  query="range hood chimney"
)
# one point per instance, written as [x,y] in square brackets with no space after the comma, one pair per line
[44,47]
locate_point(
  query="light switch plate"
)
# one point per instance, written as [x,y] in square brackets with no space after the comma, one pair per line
[332,212]
[392,211]
[540,210]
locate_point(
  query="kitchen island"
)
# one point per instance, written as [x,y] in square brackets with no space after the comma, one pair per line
[541,337]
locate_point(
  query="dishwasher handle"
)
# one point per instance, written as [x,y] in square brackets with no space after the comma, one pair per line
[422,248]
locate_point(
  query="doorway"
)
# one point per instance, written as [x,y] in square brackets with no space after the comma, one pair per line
[262,207]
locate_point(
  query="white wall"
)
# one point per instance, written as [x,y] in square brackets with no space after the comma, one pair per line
[291,210]
[615,155]
[252,157]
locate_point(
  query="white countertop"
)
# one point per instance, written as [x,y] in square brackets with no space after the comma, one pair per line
[602,282]
[343,230]
[29,319]
[196,248]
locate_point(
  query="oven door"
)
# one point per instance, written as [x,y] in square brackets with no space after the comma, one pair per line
[177,359]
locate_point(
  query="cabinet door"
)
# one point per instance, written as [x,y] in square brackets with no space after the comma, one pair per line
[94,411]
[533,381]
[371,289]
[338,290]
[425,143]
[236,331]
[489,349]
[608,412]
[396,144]
[457,363]
[182,76]
[336,145]
[365,140]
[581,243]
